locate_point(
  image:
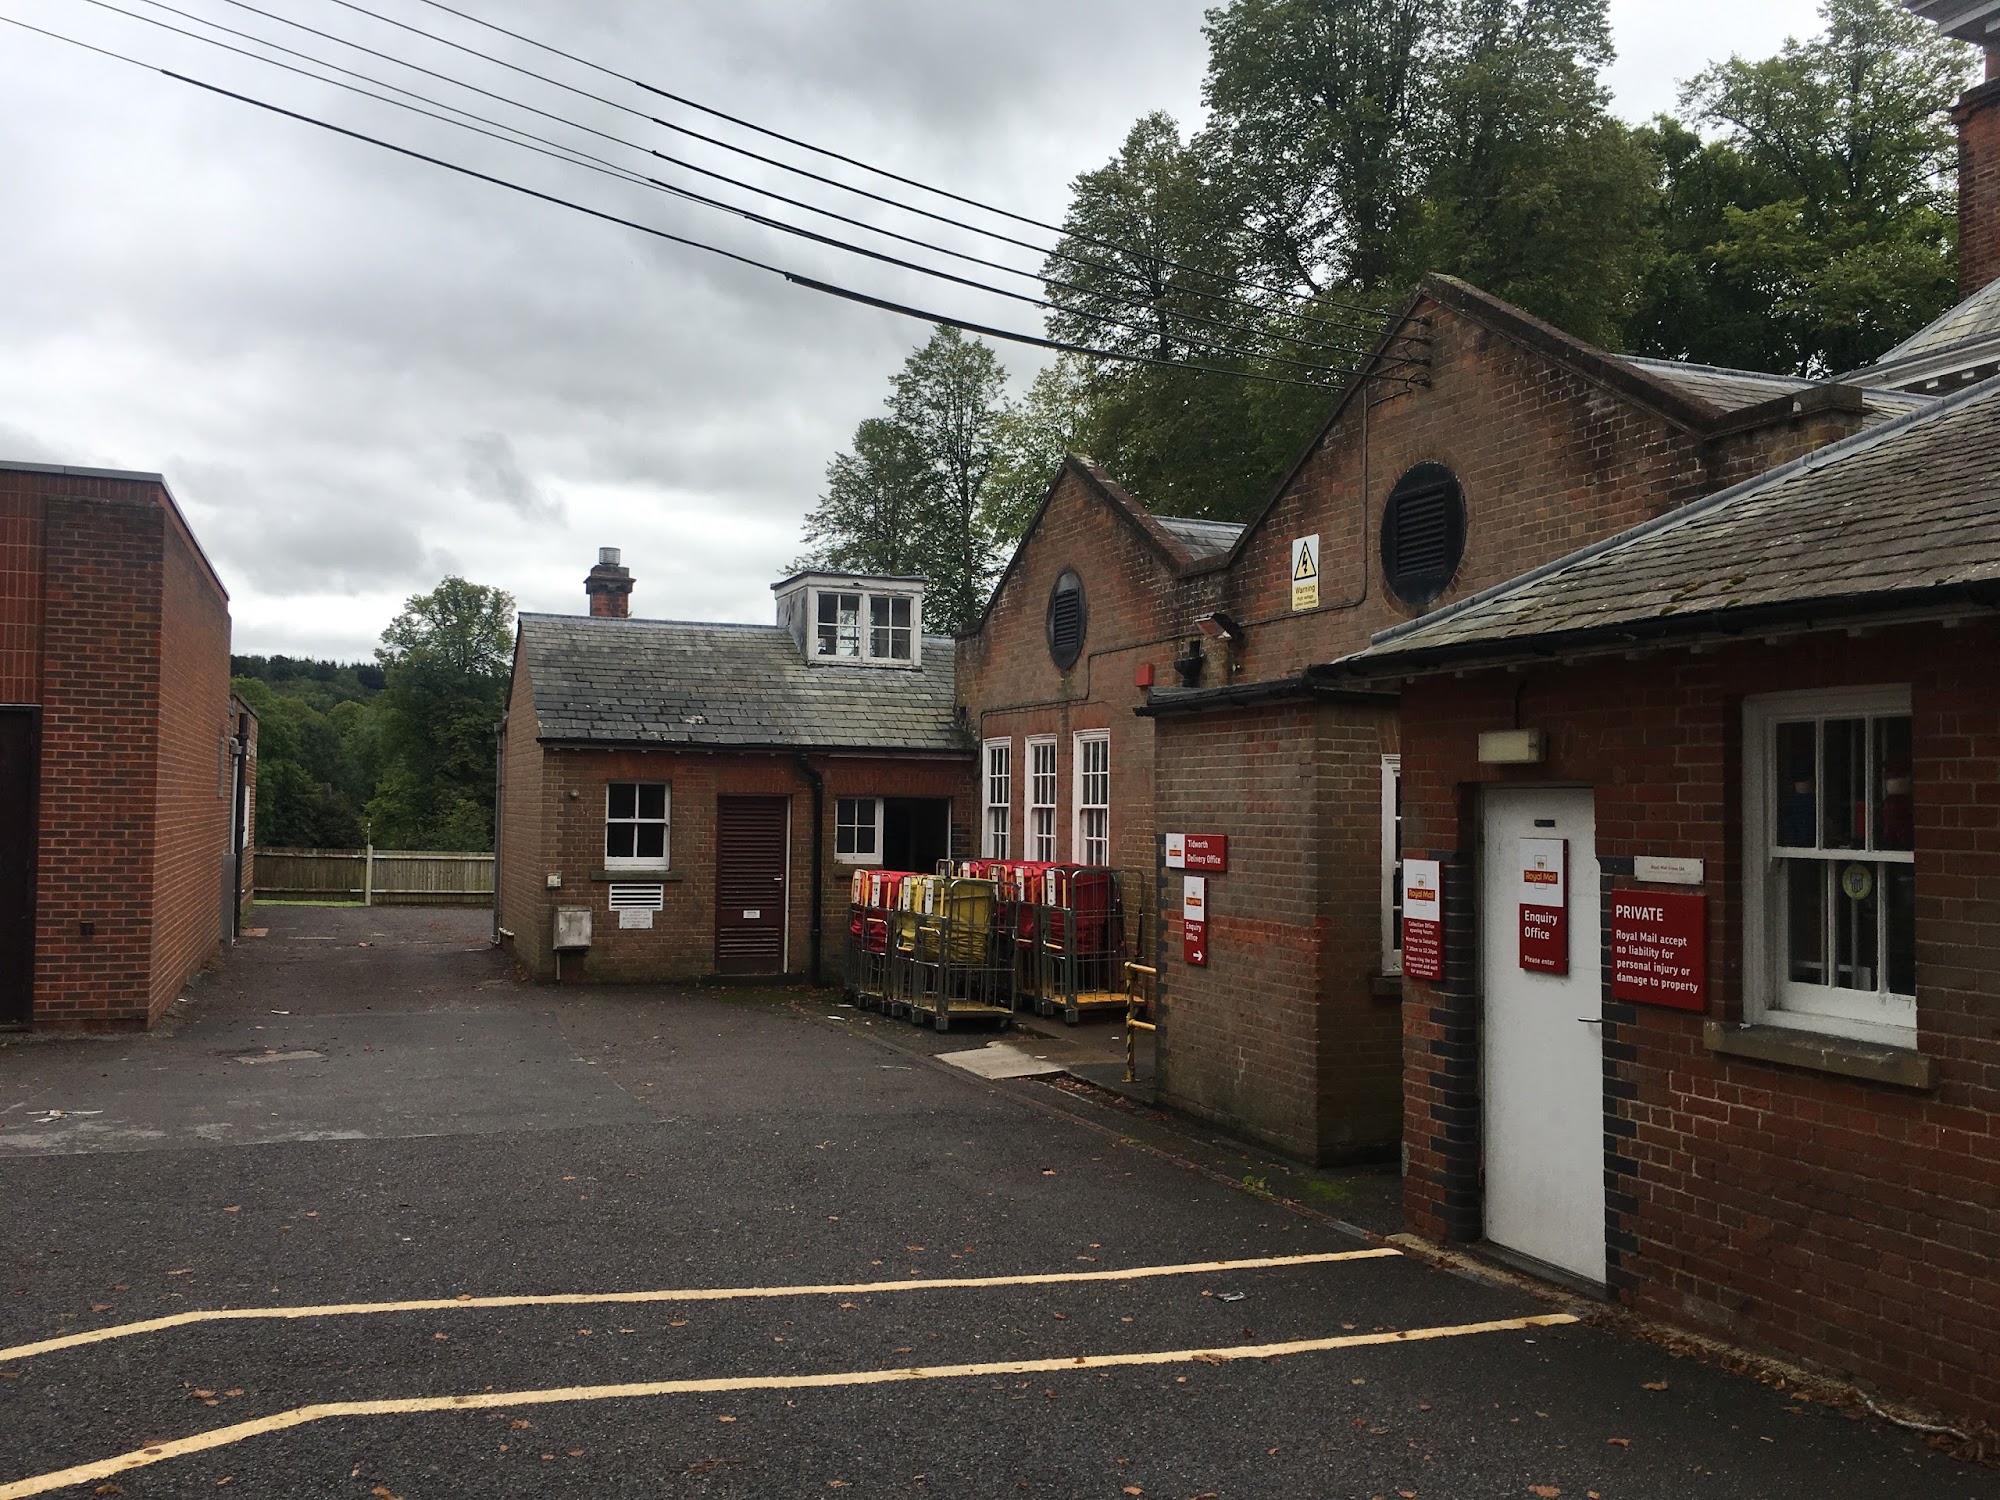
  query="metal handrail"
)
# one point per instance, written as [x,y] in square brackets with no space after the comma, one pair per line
[1133,1025]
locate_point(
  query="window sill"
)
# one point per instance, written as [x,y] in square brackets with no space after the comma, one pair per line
[1900,1067]
[1386,986]
[644,875]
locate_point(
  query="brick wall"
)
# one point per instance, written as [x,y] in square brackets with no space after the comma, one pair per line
[100,754]
[1139,614]
[542,816]
[1551,458]
[525,808]
[1846,1223]
[1978,119]
[1283,1035]
[195,771]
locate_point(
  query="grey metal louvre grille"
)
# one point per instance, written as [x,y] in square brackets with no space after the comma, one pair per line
[631,897]
[1423,534]
[1067,622]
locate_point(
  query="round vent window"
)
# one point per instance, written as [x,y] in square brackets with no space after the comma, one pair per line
[1068,618]
[1423,534]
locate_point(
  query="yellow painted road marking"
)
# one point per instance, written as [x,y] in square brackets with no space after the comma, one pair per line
[690,1294]
[299,1416]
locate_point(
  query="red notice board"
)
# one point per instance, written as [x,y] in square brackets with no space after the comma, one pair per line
[1208,852]
[1544,905]
[1659,949]
[1423,919]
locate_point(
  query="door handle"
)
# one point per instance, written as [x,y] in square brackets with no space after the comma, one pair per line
[1590,1020]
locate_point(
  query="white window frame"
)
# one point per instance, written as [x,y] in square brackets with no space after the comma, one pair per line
[666,822]
[1392,864]
[1042,821]
[874,858]
[996,763]
[865,628]
[1769,995]
[1080,839]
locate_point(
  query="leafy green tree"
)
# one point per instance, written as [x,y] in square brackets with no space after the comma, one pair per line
[310,786]
[1818,229]
[915,493]
[1531,188]
[1152,264]
[1352,146]
[1370,141]
[446,659]
[1035,434]
[874,517]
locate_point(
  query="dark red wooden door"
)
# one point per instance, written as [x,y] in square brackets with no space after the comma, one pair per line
[751,839]
[17,867]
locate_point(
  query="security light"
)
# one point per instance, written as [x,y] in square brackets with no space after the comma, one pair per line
[1220,625]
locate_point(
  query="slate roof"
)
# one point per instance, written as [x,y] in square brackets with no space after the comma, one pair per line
[670,682]
[1737,390]
[1977,317]
[1203,539]
[1895,517]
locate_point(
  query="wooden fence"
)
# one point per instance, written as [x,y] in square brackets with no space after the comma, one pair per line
[375,877]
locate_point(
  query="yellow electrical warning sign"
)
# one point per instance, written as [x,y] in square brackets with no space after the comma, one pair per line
[1305,573]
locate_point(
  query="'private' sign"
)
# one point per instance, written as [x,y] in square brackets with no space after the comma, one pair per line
[1659,949]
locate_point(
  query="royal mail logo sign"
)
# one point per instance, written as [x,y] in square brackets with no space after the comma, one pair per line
[1423,919]
[1194,920]
[1545,906]
[1206,852]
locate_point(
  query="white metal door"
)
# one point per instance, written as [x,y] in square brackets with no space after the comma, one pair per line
[1543,1051]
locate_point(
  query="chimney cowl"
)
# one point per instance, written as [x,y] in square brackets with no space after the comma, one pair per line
[608,586]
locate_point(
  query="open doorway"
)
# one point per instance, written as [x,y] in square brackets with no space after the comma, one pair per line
[916,832]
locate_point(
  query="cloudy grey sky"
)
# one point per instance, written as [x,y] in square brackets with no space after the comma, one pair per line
[360,373]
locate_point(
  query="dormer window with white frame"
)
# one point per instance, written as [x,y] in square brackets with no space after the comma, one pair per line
[839,619]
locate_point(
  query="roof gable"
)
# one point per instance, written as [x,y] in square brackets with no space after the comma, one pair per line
[1882,520]
[1179,544]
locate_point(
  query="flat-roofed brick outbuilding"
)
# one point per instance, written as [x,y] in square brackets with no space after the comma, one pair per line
[124,762]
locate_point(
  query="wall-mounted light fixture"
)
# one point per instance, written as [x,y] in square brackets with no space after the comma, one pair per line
[1220,625]
[1513,747]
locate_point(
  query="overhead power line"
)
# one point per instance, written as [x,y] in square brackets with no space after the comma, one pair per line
[1346,350]
[752,262]
[574,156]
[856,162]
[1308,312]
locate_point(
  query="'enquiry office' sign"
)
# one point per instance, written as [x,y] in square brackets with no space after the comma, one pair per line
[1545,905]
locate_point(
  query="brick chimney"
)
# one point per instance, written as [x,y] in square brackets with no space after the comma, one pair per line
[609,586]
[1978,121]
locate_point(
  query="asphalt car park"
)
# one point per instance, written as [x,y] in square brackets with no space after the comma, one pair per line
[370,1217]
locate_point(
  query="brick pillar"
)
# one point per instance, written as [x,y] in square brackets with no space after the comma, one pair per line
[609,586]
[1978,119]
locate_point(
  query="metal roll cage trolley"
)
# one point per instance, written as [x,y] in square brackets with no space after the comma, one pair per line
[984,938]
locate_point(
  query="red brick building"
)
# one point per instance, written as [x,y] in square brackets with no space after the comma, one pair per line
[1747,1076]
[682,800]
[125,766]
[1479,442]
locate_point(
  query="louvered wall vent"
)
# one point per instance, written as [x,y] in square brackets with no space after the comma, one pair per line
[1423,534]
[626,897]
[1069,618]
